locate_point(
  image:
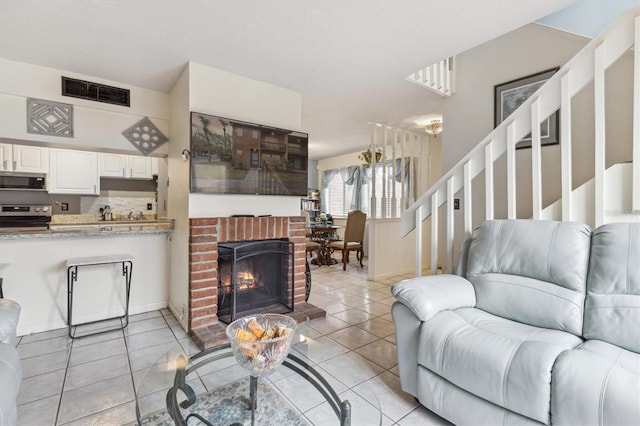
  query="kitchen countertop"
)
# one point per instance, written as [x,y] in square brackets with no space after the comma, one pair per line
[98,228]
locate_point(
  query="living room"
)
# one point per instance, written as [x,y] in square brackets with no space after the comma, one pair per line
[359,317]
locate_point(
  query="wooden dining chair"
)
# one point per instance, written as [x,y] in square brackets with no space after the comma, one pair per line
[353,238]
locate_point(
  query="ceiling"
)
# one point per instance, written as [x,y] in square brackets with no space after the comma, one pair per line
[348,58]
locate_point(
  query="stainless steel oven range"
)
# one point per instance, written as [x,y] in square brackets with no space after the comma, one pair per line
[24,217]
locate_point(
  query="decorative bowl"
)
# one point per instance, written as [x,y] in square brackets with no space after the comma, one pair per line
[261,342]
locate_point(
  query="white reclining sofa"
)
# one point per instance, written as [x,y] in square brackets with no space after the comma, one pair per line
[540,325]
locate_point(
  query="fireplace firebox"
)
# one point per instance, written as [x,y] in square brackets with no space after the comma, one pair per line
[255,277]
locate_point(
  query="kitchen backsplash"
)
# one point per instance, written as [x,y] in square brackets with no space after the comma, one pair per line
[121,202]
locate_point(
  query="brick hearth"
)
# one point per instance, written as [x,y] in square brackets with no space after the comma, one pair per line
[205,234]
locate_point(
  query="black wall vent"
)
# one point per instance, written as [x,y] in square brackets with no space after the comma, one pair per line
[95,92]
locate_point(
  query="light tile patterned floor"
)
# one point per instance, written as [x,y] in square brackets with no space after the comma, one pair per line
[91,381]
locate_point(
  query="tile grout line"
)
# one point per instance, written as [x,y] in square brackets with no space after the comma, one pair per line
[133,383]
[64,380]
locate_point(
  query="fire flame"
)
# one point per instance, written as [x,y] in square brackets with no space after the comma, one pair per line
[245,276]
[245,280]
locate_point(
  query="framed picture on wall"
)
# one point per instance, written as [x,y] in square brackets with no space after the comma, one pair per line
[510,95]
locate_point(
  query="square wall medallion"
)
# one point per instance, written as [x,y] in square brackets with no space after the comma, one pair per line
[49,118]
[145,136]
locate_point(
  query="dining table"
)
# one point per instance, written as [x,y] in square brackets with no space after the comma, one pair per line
[323,233]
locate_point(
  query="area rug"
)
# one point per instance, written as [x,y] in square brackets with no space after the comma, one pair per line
[229,404]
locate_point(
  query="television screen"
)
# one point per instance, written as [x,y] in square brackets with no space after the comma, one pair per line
[235,157]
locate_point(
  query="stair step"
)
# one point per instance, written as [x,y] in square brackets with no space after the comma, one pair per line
[622,217]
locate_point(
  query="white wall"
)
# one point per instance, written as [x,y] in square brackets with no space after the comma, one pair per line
[178,199]
[221,93]
[208,205]
[312,180]
[389,253]
[97,126]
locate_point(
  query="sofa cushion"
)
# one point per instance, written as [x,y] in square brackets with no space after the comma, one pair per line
[612,311]
[446,400]
[531,271]
[502,361]
[598,383]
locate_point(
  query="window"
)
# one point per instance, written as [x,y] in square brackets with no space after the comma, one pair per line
[338,197]
[343,191]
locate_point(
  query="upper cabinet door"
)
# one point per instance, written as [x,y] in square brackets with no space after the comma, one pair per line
[113,165]
[32,159]
[6,157]
[155,165]
[125,166]
[140,167]
[74,172]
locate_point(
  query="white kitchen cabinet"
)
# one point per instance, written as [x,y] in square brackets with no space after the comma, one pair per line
[139,167]
[23,158]
[73,172]
[6,157]
[112,165]
[155,166]
[30,159]
[125,166]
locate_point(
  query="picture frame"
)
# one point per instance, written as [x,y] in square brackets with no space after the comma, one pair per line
[510,95]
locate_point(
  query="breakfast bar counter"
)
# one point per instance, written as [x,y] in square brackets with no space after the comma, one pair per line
[36,275]
[93,229]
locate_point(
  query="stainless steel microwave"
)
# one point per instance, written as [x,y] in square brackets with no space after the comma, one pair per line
[23,181]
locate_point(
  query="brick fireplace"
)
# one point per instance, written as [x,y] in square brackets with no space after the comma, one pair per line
[205,234]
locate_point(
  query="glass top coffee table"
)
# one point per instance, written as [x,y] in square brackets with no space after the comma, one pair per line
[209,387]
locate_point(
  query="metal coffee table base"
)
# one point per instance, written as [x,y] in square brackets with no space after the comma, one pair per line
[341,408]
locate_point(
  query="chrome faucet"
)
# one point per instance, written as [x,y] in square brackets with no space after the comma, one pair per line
[136,216]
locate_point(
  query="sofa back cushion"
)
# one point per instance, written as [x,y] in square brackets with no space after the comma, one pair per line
[531,271]
[612,311]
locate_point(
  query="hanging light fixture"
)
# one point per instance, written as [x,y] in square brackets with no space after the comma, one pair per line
[434,128]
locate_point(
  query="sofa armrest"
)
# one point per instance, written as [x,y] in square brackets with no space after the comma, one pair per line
[11,378]
[428,295]
[9,315]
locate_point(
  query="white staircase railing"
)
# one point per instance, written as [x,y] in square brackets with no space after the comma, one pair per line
[439,77]
[401,173]
[557,93]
